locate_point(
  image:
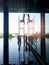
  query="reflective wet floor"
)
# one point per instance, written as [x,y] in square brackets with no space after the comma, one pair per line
[20,53]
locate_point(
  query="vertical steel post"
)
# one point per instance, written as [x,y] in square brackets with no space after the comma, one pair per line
[43,50]
[5,59]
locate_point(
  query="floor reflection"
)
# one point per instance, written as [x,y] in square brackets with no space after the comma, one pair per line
[21,53]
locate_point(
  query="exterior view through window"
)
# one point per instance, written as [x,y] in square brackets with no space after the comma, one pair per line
[47,35]
[21,25]
[1,37]
[24,28]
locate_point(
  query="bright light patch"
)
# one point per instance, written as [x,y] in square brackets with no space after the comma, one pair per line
[30,24]
[14,20]
[21,24]
[30,31]
[21,32]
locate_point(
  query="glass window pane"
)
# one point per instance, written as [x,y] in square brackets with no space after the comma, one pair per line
[1,37]
[47,36]
[16,44]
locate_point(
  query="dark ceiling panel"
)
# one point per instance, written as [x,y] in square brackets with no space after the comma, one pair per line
[26,5]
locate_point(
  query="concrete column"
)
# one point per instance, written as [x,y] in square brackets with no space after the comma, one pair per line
[43,50]
[5,34]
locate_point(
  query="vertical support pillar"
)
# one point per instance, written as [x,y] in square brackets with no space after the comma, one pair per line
[43,50]
[5,59]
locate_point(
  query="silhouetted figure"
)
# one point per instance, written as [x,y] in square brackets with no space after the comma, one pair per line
[19,51]
[31,40]
[24,51]
[26,43]
[26,39]
[19,40]
[26,47]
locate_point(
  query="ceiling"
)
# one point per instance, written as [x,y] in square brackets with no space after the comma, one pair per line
[25,5]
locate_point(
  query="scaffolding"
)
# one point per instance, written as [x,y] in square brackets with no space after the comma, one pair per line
[21,26]
[30,27]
